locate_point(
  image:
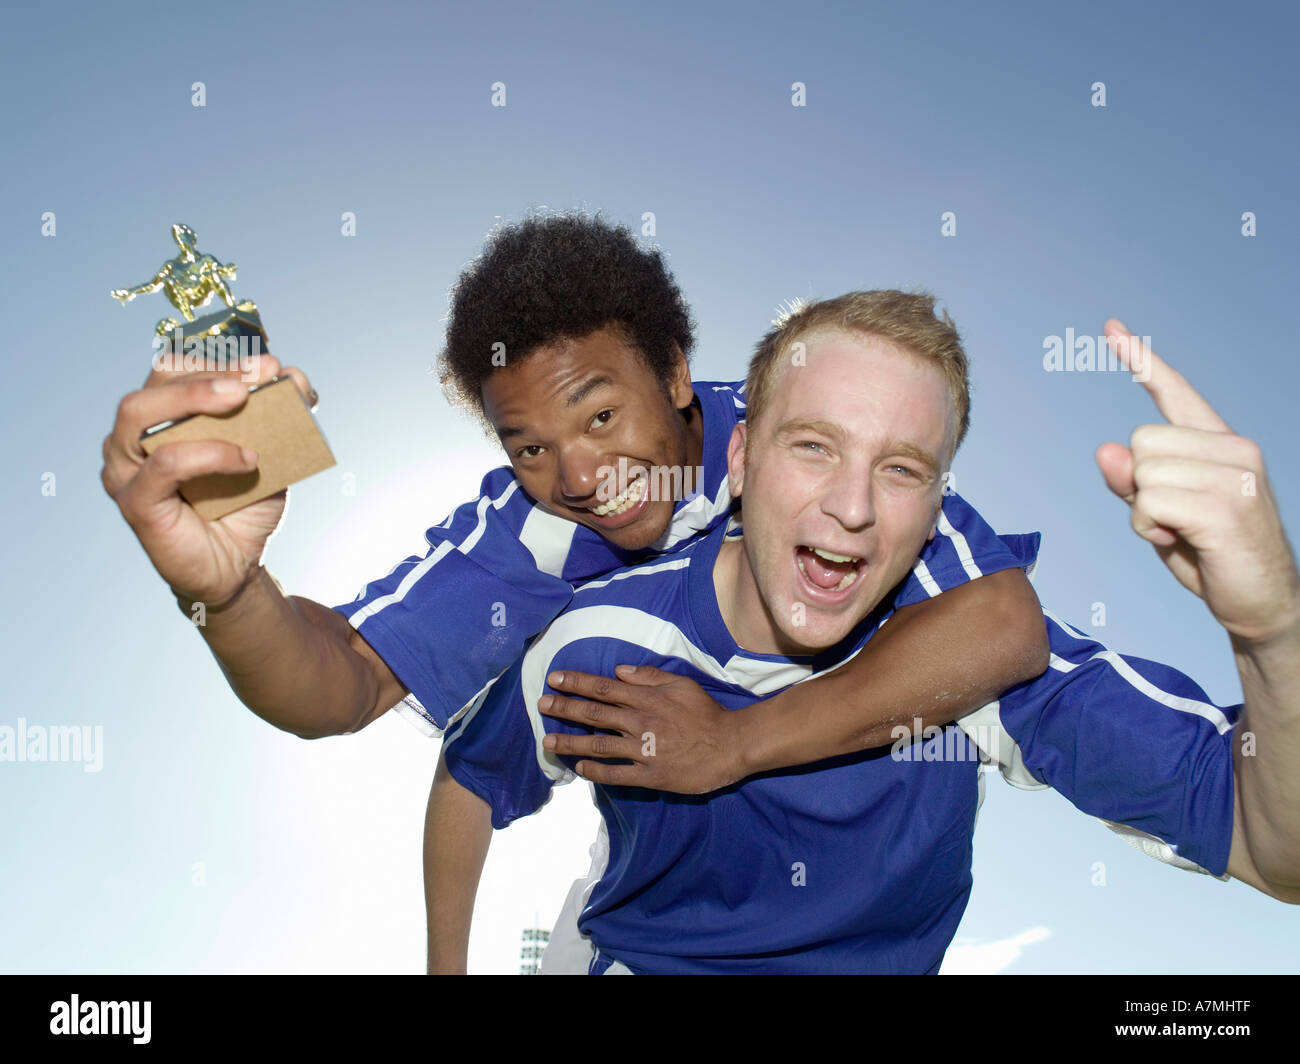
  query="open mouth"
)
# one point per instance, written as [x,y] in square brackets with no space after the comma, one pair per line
[827,571]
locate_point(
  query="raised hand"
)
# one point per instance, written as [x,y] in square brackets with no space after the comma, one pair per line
[1198,492]
[207,561]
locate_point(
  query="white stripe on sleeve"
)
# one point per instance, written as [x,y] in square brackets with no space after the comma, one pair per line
[922,573]
[1139,682]
[960,545]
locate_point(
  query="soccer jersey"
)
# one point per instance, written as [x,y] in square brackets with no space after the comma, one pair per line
[500,568]
[858,863]
[754,877]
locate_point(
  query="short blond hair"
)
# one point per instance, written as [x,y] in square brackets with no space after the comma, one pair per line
[906,318]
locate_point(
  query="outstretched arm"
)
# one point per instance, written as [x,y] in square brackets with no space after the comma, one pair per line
[936,660]
[125,295]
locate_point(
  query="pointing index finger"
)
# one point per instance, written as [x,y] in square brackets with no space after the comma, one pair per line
[1174,396]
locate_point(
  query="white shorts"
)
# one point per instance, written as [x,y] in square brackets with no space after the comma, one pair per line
[569,951]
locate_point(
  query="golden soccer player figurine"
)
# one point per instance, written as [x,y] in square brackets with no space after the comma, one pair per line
[190,280]
[275,420]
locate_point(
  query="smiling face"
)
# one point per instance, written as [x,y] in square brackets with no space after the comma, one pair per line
[569,412]
[841,485]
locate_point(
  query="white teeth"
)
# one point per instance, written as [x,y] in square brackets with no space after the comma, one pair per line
[846,580]
[834,557]
[630,497]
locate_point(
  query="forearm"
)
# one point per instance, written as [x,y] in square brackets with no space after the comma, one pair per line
[935,662]
[457,834]
[289,659]
[1266,754]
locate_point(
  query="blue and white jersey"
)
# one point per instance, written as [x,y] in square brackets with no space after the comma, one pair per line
[501,568]
[859,863]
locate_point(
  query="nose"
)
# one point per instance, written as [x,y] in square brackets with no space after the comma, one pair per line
[579,473]
[850,498]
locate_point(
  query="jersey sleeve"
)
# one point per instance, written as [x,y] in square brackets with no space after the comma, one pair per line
[450,622]
[491,750]
[964,548]
[1132,742]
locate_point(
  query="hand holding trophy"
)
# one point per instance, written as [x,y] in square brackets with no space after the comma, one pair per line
[200,458]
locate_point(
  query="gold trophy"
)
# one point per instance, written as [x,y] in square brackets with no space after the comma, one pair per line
[190,280]
[276,422]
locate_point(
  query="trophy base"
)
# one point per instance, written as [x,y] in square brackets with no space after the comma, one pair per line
[232,332]
[276,423]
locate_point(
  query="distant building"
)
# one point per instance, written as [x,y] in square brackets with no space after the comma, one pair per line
[530,953]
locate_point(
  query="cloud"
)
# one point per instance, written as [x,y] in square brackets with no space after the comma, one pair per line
[970,956]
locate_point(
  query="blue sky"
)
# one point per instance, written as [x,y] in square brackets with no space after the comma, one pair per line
[210,842]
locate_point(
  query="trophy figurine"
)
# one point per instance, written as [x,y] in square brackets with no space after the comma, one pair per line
[189,281]
[276,422]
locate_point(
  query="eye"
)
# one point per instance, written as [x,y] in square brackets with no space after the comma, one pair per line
[811,446]
[907,472]
[602,418]
[531,451]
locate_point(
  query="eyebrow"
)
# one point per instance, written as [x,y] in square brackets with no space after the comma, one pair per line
[909,450]
[572,399]
[824,428]
[585,389]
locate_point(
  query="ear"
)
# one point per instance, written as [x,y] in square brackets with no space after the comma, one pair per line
[736,460]
[679,388]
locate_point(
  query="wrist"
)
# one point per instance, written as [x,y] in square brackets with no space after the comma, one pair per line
[737,746]
[258,579]
[755,734]
[1266,653]
[1282,631]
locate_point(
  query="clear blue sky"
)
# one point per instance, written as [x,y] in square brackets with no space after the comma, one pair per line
[210,842]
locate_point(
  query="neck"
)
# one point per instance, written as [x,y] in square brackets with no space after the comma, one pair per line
[742,607]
